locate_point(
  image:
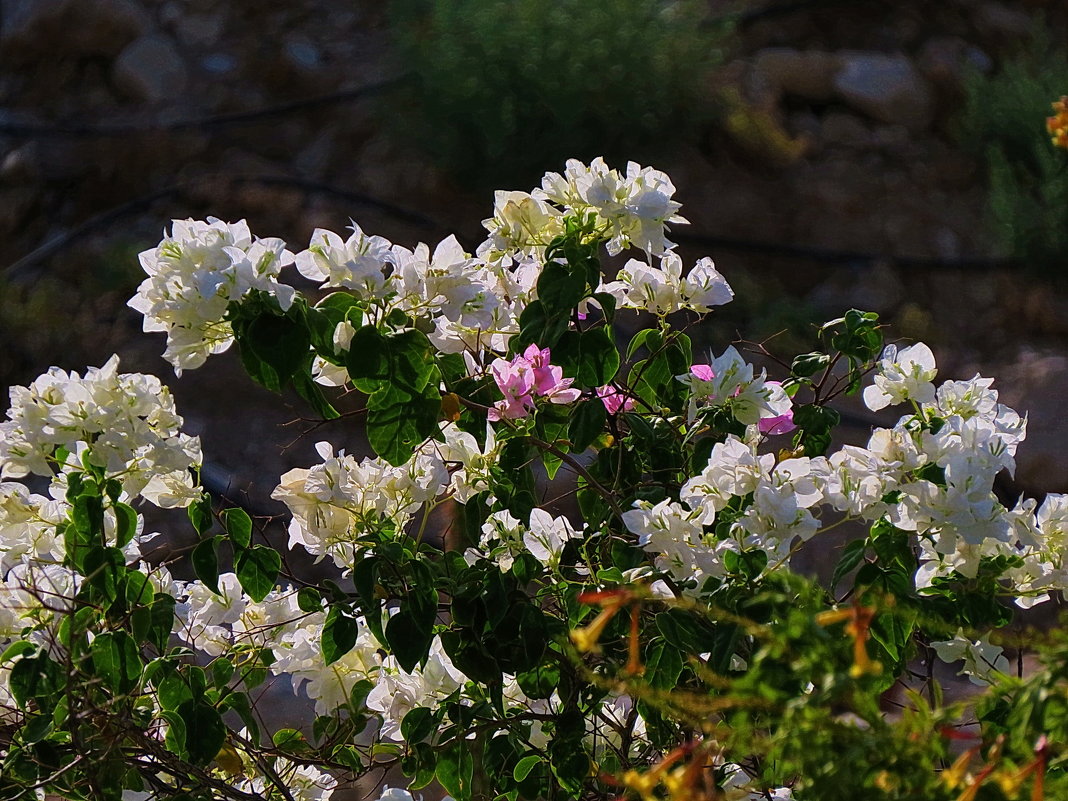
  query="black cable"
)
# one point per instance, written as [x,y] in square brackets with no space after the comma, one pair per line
[847,257]
[76,131]
[105,219]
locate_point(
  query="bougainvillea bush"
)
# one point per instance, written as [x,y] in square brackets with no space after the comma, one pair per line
[611,612]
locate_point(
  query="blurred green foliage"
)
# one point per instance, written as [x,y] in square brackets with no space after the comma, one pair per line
[1004,122]
[505,87]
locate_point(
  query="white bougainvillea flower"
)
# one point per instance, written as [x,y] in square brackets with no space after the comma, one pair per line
[983,661]
[359,263]
[902,375]
[547,536]
[194,274]
[124,423]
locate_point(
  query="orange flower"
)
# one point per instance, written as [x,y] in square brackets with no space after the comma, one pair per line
[1057,125]
[859,628]
[611,601]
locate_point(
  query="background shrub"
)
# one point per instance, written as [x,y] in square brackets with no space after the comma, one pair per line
[1004,119]
[504,87]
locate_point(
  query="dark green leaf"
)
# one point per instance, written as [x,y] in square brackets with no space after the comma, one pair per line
[309,600]
[418,725]
[205,559]
[116,660]
[204,731]
[852,555]
[280,342]
[409,638]
[104,568]
[396,430]
[339,635]
[200,515]
[238,526]
[257,570]
[313,394]
[125,523]
[524,766]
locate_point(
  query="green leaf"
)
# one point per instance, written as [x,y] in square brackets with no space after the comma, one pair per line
[104,568]
[222,670]
[205,559]
[313,394]
[238,526]
[683,631]
[162,610]
[309,600]
[87,528]
[257,570]
[598,358]
[560,289]
[524,766]
[34,677]
[17,648]
[289,740]
[368,358]
[172,691]
[409,638]
[418,725]
[455,769]
[536,326]
[238,701]
[37,727]
[339,635]
[395,431]
[540,682]
[200,515]
[280,342]
[204,731]
[750,563]
[125,523]
[587,424]
[116,660]
[852,556]
[808,364]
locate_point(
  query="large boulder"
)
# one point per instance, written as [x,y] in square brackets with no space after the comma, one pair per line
[150,70]
[887,88]
[29,28]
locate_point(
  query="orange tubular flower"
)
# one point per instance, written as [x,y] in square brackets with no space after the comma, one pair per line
[859,628]
[611,601]
[1057,125]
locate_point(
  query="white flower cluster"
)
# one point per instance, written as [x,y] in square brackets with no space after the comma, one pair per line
[504,537]
[682,535]
[125,424]
[931,474]
[466,303]
[336,502]
[731,381]
[982,661]
[194,274]
[28,526]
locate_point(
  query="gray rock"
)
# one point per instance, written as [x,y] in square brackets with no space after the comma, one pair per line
[806,74]
[81,26]
[150,69]
[1035,382]
[21,165]
[219,63]
[302,54]
[886,87]
[997,19]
